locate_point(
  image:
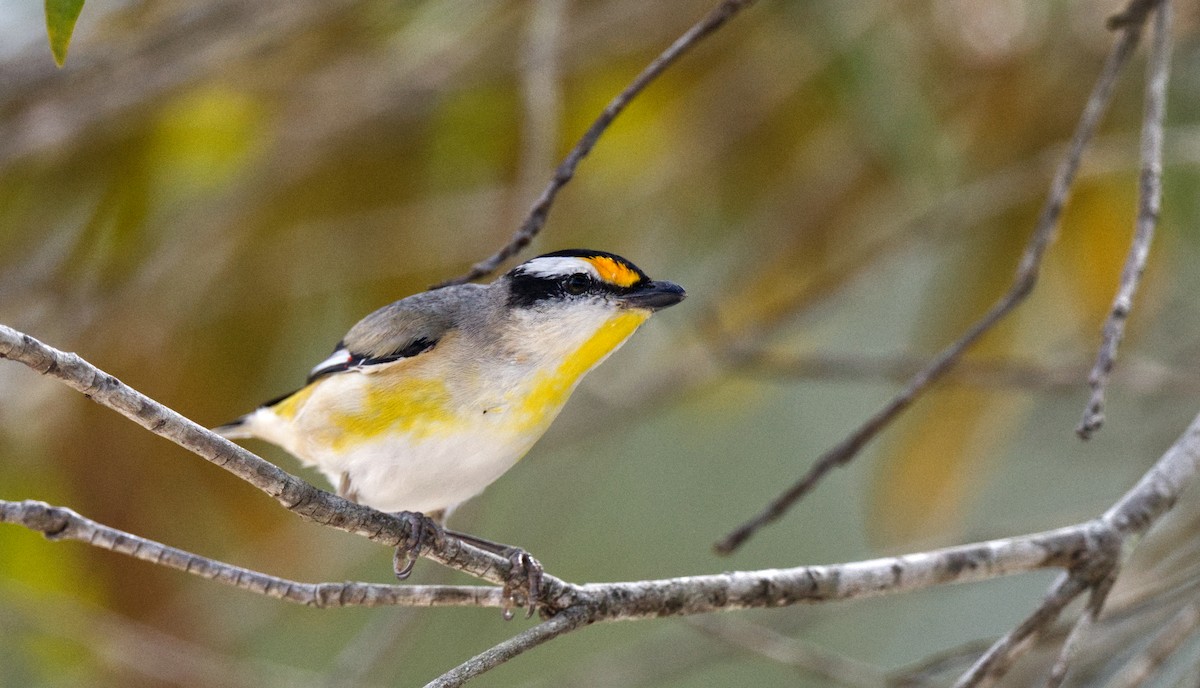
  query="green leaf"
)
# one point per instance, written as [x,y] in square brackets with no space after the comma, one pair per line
[60,24]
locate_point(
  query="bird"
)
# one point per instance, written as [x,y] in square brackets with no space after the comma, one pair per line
[428,400]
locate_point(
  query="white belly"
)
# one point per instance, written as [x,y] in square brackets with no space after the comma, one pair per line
[395,474]
[423,466]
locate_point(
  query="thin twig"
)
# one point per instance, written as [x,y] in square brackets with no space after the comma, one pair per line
[1001,655]
[1023,283]
[60,523]
[1061,548]
[1149,206]
[527,640]
[924,672]
[1070,646]
[536,218]
[1168,639]
[626,600]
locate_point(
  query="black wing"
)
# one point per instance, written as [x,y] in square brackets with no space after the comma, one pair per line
[343,359]
[403,329]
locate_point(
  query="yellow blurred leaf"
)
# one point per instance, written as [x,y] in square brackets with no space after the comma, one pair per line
[1096,230]
[923,483]
[204,137]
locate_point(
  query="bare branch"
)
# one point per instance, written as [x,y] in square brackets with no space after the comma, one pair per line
[536,218]
[766,588]
[1023,283]
[689,595]
[60,523]
[1149,206]
[527,640]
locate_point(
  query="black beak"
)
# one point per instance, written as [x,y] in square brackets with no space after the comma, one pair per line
[654,296]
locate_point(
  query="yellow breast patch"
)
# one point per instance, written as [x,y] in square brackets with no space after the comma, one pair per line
[414,407]
[551,388]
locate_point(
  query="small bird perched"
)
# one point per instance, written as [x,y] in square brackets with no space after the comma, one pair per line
[428,400]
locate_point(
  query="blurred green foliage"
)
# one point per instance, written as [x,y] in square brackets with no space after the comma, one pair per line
[61,16]
[208,195]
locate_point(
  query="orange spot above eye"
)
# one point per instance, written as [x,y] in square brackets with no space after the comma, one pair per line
[614,272]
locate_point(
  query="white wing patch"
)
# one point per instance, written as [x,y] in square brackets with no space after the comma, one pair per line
[338,358]
[559,266]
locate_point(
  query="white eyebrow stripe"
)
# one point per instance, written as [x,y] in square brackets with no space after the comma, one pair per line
[559,266]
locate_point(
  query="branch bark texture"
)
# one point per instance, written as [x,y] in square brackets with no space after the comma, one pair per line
[1149,207]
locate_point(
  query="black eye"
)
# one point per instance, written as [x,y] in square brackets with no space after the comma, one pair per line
[577,284]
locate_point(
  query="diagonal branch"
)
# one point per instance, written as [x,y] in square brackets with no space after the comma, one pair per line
[527,640]
[1149,205]
[1023,283]
[60,523]
[536,218]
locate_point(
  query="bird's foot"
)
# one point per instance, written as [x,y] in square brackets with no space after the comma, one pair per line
[525,575]
[422,530]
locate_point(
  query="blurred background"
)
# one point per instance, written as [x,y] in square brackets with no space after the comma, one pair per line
[209,194]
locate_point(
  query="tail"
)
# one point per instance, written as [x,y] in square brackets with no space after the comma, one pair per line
[235,429]
[261,424]
[247,426]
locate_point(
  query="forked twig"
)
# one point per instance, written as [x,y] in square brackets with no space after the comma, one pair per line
[1000,656]
[1149,205]
[1084,624]
[536,218]
[1023,282]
